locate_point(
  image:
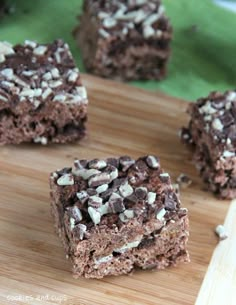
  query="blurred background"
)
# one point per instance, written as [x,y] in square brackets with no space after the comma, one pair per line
[203,48]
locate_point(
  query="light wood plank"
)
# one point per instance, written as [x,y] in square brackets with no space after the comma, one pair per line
[219,285]
[122,120]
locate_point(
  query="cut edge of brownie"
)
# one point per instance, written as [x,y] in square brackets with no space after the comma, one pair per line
[132,233]
[106,52]
[211,135]
[42,99]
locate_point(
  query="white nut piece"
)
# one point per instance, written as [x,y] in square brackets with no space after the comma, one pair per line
[160,214]
[85,173]
[102,188]
[151,197]
[95,215]
[6,48]
[217,125]
[126,190]
[66,179]
[40,50]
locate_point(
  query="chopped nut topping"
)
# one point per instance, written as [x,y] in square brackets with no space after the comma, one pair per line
[97,164]
[40,50]
[228,154]
[126,190]
[95,215]
[217,125]
[109,22]
[95,202]
[153,162]
[82,196]
[82,230]
[75,213]
[66,179]
[86,173]
[160,214]
[102,188]
[30,43]
[99,179]
[126,162]
[151,198]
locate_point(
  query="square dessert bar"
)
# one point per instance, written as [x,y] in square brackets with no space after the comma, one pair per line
[212,134]
[42,98]
[125,39]
[114,215]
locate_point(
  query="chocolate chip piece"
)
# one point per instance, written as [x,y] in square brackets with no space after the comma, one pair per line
[141,166]
[100,179]
[116,203]
[105,195]
[126,162]
[97,164]
[95,202]
[95,215]
[112,161]
[82,196]
[164,177]
[112,172]
[141,193]
[153,162]
[81,229]
[75,213]
[80,164]
[118,182]
[126,190]
[169,202]
[227,119]
[66,170]
[91,192]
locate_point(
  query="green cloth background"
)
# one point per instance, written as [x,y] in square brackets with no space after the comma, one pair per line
[202,60]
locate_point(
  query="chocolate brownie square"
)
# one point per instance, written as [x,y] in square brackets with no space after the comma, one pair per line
[42,98]
[125,39]
[117,214]
[212,134]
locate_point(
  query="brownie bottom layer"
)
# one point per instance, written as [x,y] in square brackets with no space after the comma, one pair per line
[53,124]
[157,250]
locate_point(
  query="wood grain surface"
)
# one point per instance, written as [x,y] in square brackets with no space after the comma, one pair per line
[122,120]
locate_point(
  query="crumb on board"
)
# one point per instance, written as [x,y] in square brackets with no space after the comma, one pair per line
[221,232]
[183,181]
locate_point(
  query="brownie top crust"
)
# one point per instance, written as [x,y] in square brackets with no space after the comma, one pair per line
[145,18]
[215,115]
[115,190]
[38,73]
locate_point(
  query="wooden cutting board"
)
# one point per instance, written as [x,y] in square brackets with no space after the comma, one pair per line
[122,120]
